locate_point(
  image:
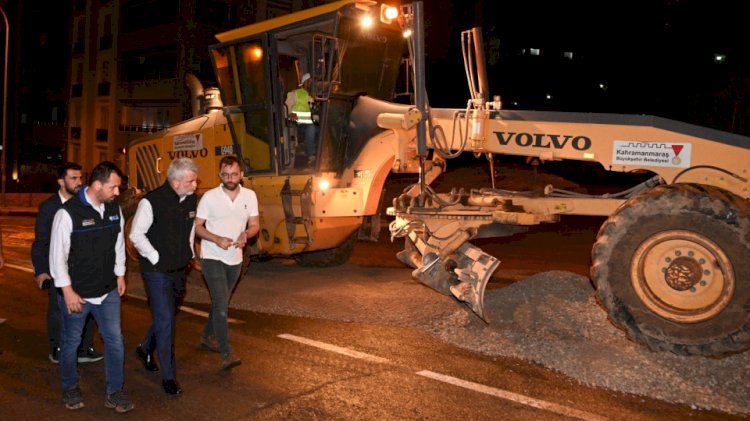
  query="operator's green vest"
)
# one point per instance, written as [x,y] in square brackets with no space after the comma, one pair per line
[302,106]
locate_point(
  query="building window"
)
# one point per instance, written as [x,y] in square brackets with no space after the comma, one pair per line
[79,45]
[76,90]
[101,135]
[149,65]
[145,119]
[105,42]
[103,89]
[75,132]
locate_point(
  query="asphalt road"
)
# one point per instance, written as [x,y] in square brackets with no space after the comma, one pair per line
[311,367]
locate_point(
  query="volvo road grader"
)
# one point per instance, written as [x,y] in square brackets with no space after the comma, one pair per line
[671,264]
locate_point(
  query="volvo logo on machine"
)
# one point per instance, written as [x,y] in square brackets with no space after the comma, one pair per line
[188,154]
[544,140]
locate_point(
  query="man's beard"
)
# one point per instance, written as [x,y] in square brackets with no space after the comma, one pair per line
[72,192]
[231,186]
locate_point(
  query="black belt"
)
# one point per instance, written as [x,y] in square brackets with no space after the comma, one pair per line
[175,270]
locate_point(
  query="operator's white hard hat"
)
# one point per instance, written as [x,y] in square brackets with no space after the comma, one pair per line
[305,77]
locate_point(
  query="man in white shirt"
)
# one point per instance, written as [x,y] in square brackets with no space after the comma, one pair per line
[87,262]
[227,216]
[163,230]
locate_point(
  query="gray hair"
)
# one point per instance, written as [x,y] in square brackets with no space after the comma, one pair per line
[179,167]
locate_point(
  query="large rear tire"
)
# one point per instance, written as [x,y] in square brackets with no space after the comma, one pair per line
[672,268]
[328,258]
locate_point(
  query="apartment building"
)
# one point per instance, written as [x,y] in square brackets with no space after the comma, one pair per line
[130,60]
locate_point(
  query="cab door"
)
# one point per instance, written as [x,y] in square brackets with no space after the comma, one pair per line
[242,69]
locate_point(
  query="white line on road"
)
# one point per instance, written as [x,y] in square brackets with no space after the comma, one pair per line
[503,394]
[23,268]
[334,348]
[187,309]
[138,297]
[514,397]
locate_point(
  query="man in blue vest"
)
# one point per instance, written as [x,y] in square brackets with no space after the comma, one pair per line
[298,103]
[87,262]
[163,231]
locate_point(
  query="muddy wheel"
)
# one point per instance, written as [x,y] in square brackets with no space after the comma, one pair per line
[331,257]
[672,268]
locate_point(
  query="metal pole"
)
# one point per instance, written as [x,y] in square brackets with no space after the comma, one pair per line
[420,92]
[5,102]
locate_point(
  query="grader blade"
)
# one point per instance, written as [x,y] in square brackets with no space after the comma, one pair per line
[468,280]
[474,271]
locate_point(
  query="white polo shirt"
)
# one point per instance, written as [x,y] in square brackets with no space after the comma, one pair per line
[226,218]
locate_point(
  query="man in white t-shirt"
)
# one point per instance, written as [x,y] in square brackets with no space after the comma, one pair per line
[226,217]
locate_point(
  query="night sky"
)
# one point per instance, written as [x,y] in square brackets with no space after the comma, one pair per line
[652,57]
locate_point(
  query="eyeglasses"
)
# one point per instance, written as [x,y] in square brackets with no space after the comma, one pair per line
[229,175]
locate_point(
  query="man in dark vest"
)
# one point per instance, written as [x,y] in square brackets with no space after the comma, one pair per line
[87,262]
[69,179]
[163,232]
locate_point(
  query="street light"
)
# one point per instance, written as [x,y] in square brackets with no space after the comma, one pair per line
[5,101]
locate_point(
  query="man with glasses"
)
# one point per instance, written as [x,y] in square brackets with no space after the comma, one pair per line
[163,232]
[227,216]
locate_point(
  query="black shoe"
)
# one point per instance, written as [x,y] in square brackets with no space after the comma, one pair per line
[88,355]
[171,387]
[146,359]
[54,355]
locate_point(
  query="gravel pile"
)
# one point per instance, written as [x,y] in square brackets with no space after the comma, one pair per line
[553,319]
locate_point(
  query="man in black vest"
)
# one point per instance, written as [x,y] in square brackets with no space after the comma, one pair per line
[163,232]
[87,262]
[69,179]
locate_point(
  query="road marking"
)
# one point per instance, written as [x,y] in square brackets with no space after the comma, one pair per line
[503,394]
[514,397]
[333,348]
[22,268]
[187,309]
[139,297]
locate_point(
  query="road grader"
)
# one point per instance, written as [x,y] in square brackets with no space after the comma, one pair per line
[671,264]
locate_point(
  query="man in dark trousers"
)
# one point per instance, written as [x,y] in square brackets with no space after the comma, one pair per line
[69,179]
[87,262]
[163,231]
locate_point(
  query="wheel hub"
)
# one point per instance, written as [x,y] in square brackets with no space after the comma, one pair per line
[682,276]
[683,273]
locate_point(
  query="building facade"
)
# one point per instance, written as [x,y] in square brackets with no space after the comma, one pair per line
[130,62]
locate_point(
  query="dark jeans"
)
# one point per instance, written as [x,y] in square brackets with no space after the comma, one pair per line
[107,315]
[220,279]
[54,333]
[308,133]
[164,295]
